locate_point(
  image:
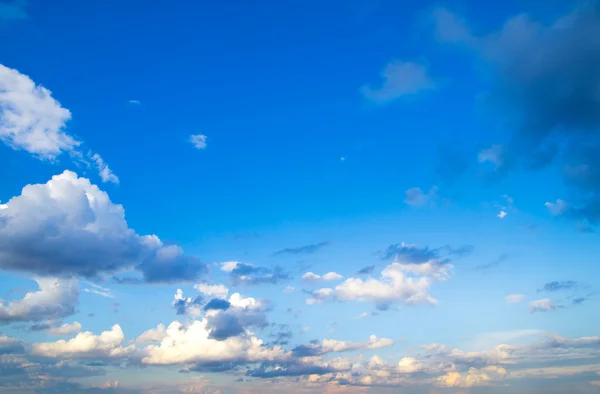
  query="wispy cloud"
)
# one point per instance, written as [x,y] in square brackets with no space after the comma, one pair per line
[306,249]
[399,78]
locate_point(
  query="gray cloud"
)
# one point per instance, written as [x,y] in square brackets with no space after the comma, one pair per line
[306,249]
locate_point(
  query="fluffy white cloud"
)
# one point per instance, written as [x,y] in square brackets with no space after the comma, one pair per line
[219,291]
[86,345]
[198,140]
[407,283]
[30,119]
[312,277]
[474,377]
[33,121]
[409,365]
[155,335]
[193,344]
[514,298]
[56,298]
[543,305]
[65,329]
[70,226]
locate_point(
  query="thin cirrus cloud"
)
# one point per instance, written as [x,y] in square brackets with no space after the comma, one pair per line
[31,120]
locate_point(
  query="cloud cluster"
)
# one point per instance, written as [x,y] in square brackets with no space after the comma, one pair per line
[405,281]
[544,83]
[68,226]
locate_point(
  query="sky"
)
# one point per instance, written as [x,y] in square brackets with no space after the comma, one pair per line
[341,196]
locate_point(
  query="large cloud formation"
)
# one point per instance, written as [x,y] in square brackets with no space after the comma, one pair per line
[544,83]
[68,226]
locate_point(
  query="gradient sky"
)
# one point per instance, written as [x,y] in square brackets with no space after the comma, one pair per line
[337,196]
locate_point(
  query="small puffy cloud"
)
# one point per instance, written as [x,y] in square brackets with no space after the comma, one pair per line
[198,140]
[219,291]
[247,274]
[65,329]
[187,305]
[409,365]
[514,298]
[312,277]
[78,230]
[543,305]
[56,298]
[502,214]
[557,208]
[399,79]
[135,102]
[306,249]
[417,198]
[86,345]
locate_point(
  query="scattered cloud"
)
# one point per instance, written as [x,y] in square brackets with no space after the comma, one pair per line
[312,277]
[514,298]
[105,172]
[557,208]
[399,79]
[247,274]
[502,214]
[134,102]
[417,198]
[65,329]
[79,231]
[559,286]
[494,263]
[219,291]
[198,140]
[543,305]
[306,249]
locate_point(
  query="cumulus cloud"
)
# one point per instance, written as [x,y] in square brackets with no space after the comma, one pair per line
[65,329]
[312,277]
[68,226]
[399,79]
[10,345]
[247,274]
[33,121]
[407,283]
[56,298]
[198,140]
[86,345]
[187,305]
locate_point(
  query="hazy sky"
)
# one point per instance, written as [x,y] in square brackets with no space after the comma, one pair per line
[341,196]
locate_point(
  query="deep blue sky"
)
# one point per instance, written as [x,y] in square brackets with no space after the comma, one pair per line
[311,162]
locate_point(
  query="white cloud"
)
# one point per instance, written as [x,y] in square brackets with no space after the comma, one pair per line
[198,140]
[514,298]
[409,365]
[543,305]
[335,346]
[502,214]
[218,291]
[30,119]
[78,230]
[312,277]
[193,344]
[105,172]
[33,121]
[86,345]
[56,298]
[135,102]
[557,208]
[407,283]
[65,329]
[229,266]
[153,335]
[399,79]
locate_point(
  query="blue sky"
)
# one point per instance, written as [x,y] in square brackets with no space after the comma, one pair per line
[349,197]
